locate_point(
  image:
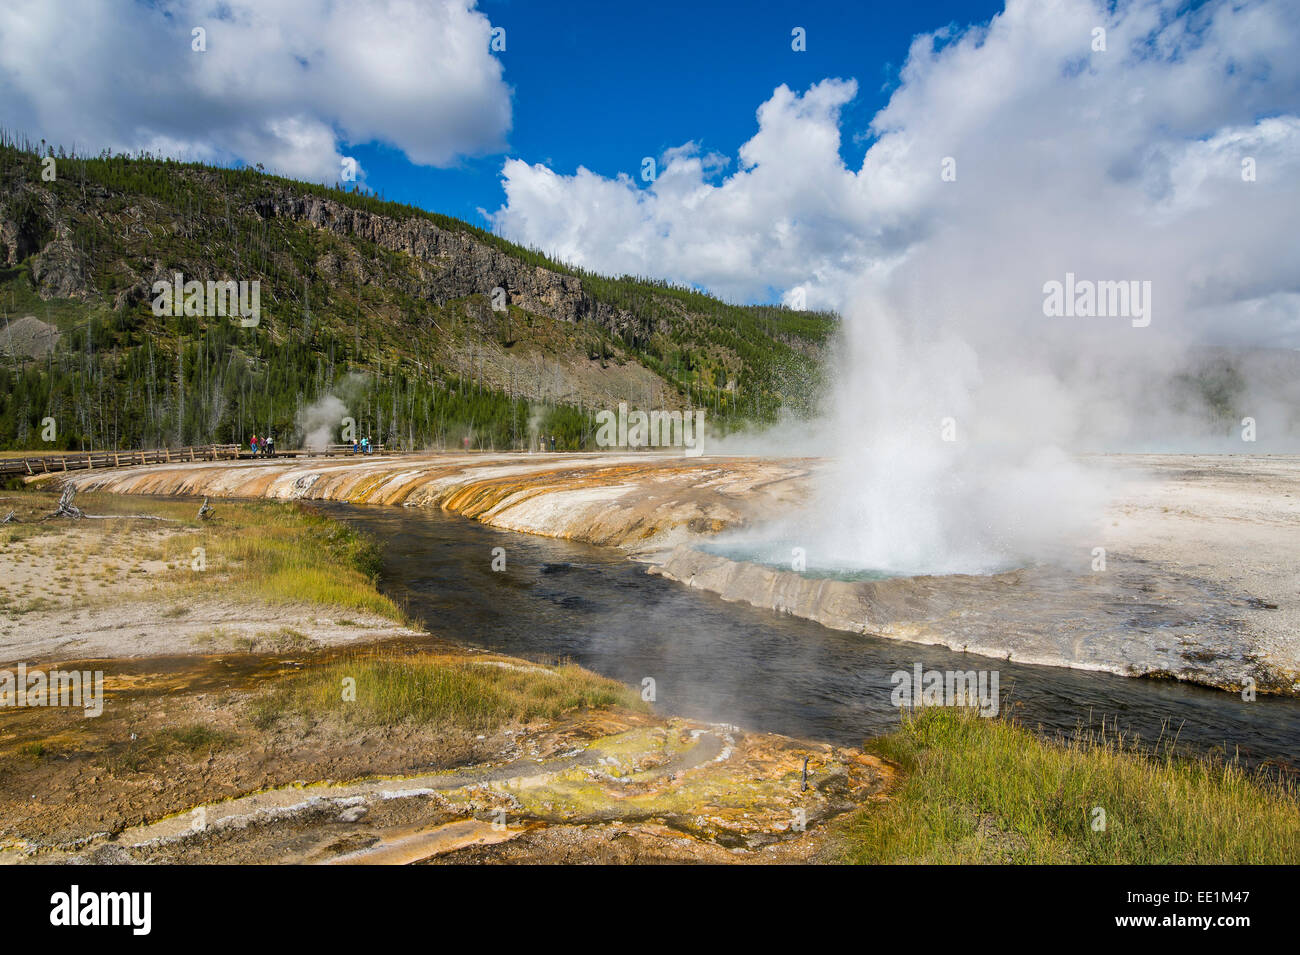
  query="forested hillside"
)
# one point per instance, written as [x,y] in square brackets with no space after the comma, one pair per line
[426,331]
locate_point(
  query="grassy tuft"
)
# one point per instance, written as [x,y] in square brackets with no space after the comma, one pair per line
[189,742]
[479,694]
[197,739]
[266,551]
[989,791]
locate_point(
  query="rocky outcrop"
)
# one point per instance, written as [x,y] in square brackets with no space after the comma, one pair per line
[30,226]
[22,224]
[460,264]
[59,271]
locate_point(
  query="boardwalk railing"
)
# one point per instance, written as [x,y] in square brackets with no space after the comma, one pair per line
[330,450]
[80,461]
[347,449]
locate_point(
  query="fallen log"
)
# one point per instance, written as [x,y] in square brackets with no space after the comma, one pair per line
[67,509]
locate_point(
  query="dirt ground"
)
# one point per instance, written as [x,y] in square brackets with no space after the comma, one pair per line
[183,765]
[179,769]
[99,589]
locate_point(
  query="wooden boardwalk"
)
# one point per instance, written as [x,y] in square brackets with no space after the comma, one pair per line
[55,463]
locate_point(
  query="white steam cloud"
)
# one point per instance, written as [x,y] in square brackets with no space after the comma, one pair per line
[319,421]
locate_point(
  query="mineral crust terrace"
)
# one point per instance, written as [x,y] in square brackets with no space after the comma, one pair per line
[634,501]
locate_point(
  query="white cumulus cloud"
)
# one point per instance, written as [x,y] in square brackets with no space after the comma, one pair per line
[283,82]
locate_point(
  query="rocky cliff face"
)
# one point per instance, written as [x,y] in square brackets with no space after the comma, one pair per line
[30,223]
[460,265]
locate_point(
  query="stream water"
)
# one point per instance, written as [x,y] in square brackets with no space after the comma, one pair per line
[761,670]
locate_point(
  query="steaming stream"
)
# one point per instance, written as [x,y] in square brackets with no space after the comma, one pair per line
[735,663]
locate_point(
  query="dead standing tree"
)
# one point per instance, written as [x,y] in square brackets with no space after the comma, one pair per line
[66,508]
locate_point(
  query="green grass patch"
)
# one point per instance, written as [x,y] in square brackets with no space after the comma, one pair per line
[33,750]
[478,694]
[270,551]
[990,791]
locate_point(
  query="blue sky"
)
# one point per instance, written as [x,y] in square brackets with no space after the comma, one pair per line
[601,84]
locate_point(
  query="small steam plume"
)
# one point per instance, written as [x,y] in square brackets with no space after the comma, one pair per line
[319,422]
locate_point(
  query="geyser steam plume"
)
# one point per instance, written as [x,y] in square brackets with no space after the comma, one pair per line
[960,397]
[939,466]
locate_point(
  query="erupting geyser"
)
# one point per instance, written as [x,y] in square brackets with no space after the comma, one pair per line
[937,466]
